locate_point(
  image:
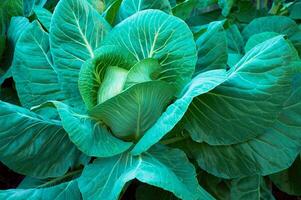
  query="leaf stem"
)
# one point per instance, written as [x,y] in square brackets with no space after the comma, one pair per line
[61,178]
[174,140]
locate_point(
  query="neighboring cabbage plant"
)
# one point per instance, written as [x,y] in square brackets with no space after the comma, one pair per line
[127,91]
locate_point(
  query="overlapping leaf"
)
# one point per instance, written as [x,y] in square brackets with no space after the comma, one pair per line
[162,167]
[249,102]
[76,31]
[28,142]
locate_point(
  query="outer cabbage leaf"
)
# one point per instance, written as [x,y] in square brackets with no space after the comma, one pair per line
[76,31]
[278,24]
[259,38]
[200,84]
[155,34]
[30,5]
[249,102]
[250,187]
[8,9]
[63,191]
[87,133]
[271,152]
[15,30]
[35,76]
[130,7]
[226,6]
[28,141]
[112,11]
[212,48]
[162,167]
[289,180]
[294,11]
[234,40]
[44,16]
[184,9]
[236,45]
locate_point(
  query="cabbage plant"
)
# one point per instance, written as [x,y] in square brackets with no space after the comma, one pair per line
[128,92]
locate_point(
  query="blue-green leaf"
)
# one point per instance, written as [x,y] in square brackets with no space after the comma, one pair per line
[35,76]
[250,187]
[200,84]
[270,152]
[28,141]
[162,167]
[288,180]
[63,191]
[251,99]
[259,38]
[212,48]
[89,134]
[278,24]
[130,7]
[30,5]
[76,31]
[44,16]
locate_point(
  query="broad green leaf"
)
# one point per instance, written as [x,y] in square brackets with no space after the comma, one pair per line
[28,143]
[130,7]
[278,24]
[259,38]
[246,11]
[98,5]
[93,71]
[147,192]
[63,191]
[15,30]
[76,30]
[44,17]
[217,187]
[183,10]
[271,152]
[173,3]
[112,11]
[288,180]
[35,76]
[294,11]
[212,48]
[249,102]
[88,134]
[8,9]
[135,110]
[226,6]
[200,84]
[251,187]
[233,59]
[30,5]
[155,34]
[235,40]
[162,167]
